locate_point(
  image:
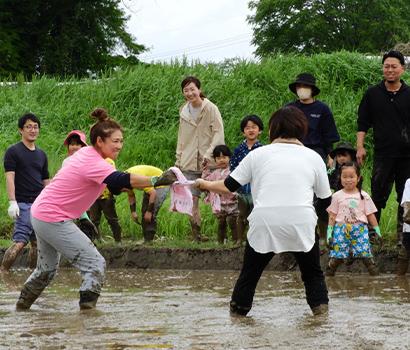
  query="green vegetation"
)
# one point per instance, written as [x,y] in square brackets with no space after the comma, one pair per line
[310,27]
[63,39]
[145,99]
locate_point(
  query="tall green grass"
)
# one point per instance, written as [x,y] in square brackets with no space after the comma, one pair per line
[146,100]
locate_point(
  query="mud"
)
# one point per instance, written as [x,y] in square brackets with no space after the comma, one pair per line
[188,309]
[146,257]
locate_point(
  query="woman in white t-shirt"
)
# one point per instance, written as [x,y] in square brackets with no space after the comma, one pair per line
[71,192]
[284,176]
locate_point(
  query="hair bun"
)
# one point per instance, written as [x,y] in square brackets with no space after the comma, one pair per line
[100,114]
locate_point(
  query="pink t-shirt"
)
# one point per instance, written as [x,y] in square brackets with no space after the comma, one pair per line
[75,187]
[350,208]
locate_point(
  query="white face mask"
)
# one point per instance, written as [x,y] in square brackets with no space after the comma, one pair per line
[304,93]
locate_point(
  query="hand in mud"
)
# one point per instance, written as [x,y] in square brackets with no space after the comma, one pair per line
[205,164]
[197,184]
[88,228]
[166,178]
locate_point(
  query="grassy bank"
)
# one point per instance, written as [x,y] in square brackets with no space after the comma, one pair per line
[146,100]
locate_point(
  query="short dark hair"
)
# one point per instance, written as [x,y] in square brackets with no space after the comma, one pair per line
[288,122]
[395,54]
[253,118]
[28,116]
[224,149]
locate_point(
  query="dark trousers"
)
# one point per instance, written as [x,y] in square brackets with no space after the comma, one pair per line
[150,228]
[254,263]
[387,171]
[107,206]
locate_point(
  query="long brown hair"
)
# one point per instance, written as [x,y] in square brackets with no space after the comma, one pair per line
[104,127]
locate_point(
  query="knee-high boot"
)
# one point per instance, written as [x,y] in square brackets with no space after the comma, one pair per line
[334,263]
[32,255]
[370,266]
[403,263]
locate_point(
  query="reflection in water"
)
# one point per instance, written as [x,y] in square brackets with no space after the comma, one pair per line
[169,309]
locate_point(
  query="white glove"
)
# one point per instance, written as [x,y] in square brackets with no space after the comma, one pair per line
[14,210]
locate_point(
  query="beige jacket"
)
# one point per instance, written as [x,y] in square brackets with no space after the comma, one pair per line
[197,140]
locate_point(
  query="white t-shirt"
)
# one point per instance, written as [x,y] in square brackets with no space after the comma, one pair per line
[283,178]
[406,198]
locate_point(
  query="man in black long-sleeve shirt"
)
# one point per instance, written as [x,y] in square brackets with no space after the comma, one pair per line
[386,107]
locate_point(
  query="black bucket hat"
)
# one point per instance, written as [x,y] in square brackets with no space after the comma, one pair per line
[307,79]
[345,146]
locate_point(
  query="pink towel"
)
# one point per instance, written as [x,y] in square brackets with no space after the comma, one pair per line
[214,199]
[181,196]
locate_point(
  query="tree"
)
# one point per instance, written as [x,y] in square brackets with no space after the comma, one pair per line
[59,37]
[312,26]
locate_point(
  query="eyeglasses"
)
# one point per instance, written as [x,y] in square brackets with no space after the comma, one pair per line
[31,127]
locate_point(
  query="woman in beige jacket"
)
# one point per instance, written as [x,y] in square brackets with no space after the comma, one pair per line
[200,130]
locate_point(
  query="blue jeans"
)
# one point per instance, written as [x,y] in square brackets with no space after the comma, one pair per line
[23,231]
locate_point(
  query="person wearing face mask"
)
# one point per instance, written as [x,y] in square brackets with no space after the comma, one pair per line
[322,131]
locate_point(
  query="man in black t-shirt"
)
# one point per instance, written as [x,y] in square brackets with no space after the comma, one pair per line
[26,168]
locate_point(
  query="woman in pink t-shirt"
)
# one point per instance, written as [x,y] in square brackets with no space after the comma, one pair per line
[71,192]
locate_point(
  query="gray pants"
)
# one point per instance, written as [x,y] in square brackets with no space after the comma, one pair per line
[64,237]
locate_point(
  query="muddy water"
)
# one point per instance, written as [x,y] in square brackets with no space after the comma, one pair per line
[180,309]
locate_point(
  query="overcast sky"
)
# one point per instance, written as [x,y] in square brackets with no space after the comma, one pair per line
[210,30]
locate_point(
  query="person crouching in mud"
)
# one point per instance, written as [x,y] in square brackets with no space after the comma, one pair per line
[52,214]
[283,218]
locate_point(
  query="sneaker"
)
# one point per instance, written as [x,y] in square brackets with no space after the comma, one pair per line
[88,300]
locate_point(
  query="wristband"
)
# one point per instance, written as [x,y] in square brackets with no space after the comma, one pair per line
[133,207]
[150,207]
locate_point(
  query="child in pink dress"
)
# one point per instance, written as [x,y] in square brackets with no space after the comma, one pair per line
[228,212]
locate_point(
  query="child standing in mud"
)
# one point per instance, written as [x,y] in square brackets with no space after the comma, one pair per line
[252,127]
[229,208]
[350,211]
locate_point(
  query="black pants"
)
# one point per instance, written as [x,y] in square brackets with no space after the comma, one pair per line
[254,263]
[387,171]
